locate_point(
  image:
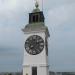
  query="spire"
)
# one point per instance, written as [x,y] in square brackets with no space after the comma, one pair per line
[36,16]
[37,7]
[36,4]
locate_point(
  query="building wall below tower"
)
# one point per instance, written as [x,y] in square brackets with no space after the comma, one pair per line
[41,70]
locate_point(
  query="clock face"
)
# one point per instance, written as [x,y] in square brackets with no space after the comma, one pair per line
[34,45]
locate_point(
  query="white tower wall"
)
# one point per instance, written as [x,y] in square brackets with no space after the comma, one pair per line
[40,60]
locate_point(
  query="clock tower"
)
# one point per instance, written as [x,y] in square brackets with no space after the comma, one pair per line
[35,61]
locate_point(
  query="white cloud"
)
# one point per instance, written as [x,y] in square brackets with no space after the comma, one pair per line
[61,14]
[13,11]
[10,9]
[10,36]
[9,4]
[14,5]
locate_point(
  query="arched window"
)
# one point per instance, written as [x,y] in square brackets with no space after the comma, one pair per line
[35,18]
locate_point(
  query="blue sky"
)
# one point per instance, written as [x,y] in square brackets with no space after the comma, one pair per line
[60,19]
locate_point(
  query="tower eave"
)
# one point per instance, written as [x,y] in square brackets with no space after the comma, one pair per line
[36,27]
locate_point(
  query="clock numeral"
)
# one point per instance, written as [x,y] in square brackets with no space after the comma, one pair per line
[30,51]
[34,52]
[27,48]
[42,44]
[34,37]
[38,51]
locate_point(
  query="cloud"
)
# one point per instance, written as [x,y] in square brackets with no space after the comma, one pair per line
[61,24]
[14,5]
[13,16]
[61,14]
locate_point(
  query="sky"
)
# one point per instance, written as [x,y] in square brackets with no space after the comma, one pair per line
[60,20]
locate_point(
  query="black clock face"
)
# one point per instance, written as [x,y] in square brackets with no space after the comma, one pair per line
[34,45]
